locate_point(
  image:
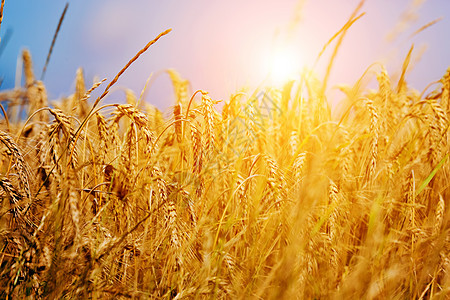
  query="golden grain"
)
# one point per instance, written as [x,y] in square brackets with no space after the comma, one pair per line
[289,202]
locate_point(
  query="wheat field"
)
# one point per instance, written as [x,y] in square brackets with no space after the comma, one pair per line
[271,194]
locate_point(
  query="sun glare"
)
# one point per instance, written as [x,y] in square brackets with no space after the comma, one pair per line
[285,65]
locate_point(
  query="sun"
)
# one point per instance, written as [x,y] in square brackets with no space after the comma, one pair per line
[284,65]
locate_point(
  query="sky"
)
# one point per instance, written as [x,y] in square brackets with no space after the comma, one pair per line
[219,46]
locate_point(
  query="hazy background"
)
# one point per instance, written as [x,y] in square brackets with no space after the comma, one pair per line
[218,45]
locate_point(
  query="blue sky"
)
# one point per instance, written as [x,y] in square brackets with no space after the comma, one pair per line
[219,46]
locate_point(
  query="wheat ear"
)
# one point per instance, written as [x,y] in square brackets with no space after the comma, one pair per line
[439,214]
[47,60]
[28,68]
[20,162]
[180,86]
[371,166]
[208,114]
[15,199]
[79,97]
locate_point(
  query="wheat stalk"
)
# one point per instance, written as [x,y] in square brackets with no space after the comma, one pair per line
[79,97]
[129,154]
[445,96]
[169,208]
[197,149]
[37,96]
[438,125]
[371,166]
[66,126]
[138,118]
[293,143]
[102,129]
[15,198]
[297,166]
[177,113]
[275,183]
[47,60]
[106,91]
[180,86]
[19,162]
[73,198]
[439,215]
[208,114]
[263,200]
[28,68]
[333,197]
